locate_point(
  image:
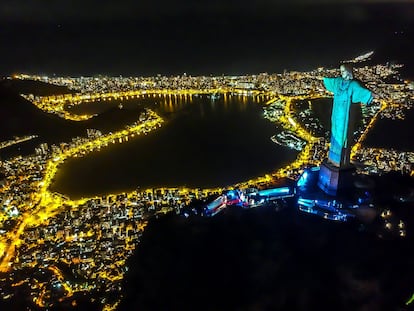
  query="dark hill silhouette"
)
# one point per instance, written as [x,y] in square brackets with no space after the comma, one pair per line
[33,87]
[263,260]
[20,117]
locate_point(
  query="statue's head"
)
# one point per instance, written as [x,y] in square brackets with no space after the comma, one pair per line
[346,72]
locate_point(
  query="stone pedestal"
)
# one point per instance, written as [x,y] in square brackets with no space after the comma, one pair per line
[333,179]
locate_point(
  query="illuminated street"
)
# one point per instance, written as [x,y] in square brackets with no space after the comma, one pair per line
[93,237]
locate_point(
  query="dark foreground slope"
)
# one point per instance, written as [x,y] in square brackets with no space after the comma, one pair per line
[266,260]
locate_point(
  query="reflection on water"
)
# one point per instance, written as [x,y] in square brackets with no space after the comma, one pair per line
[168,103]
[206,141]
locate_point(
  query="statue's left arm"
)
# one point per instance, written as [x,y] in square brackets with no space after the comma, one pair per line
[331,84]
[361,94]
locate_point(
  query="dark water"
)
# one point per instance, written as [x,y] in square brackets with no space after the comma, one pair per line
[206,144]
[395,134]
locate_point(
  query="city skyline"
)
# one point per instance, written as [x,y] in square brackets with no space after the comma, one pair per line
[203,119]
[42,221]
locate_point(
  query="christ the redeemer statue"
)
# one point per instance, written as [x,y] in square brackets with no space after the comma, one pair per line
[346,90]
[336,172]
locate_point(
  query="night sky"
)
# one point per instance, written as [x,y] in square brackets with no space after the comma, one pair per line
[107,11]
[198,37]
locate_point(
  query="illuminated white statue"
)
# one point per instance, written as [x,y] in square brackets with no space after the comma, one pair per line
[346,90]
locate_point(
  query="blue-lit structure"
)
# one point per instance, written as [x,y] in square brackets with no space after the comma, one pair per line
[308,177]
[346,91]
[275,192]
[323,209]
[215,206]
[362,203]
[235,197]
[341,207]
[248,198]
[336,171]
[329,190]
[267,196]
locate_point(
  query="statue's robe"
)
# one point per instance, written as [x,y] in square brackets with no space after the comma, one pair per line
[345,92]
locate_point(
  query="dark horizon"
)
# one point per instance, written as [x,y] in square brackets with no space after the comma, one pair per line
[227,39]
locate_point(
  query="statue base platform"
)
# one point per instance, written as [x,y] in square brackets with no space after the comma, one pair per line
[333,179]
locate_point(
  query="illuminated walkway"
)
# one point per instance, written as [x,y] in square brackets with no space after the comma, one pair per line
[47,204]
[44,205]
